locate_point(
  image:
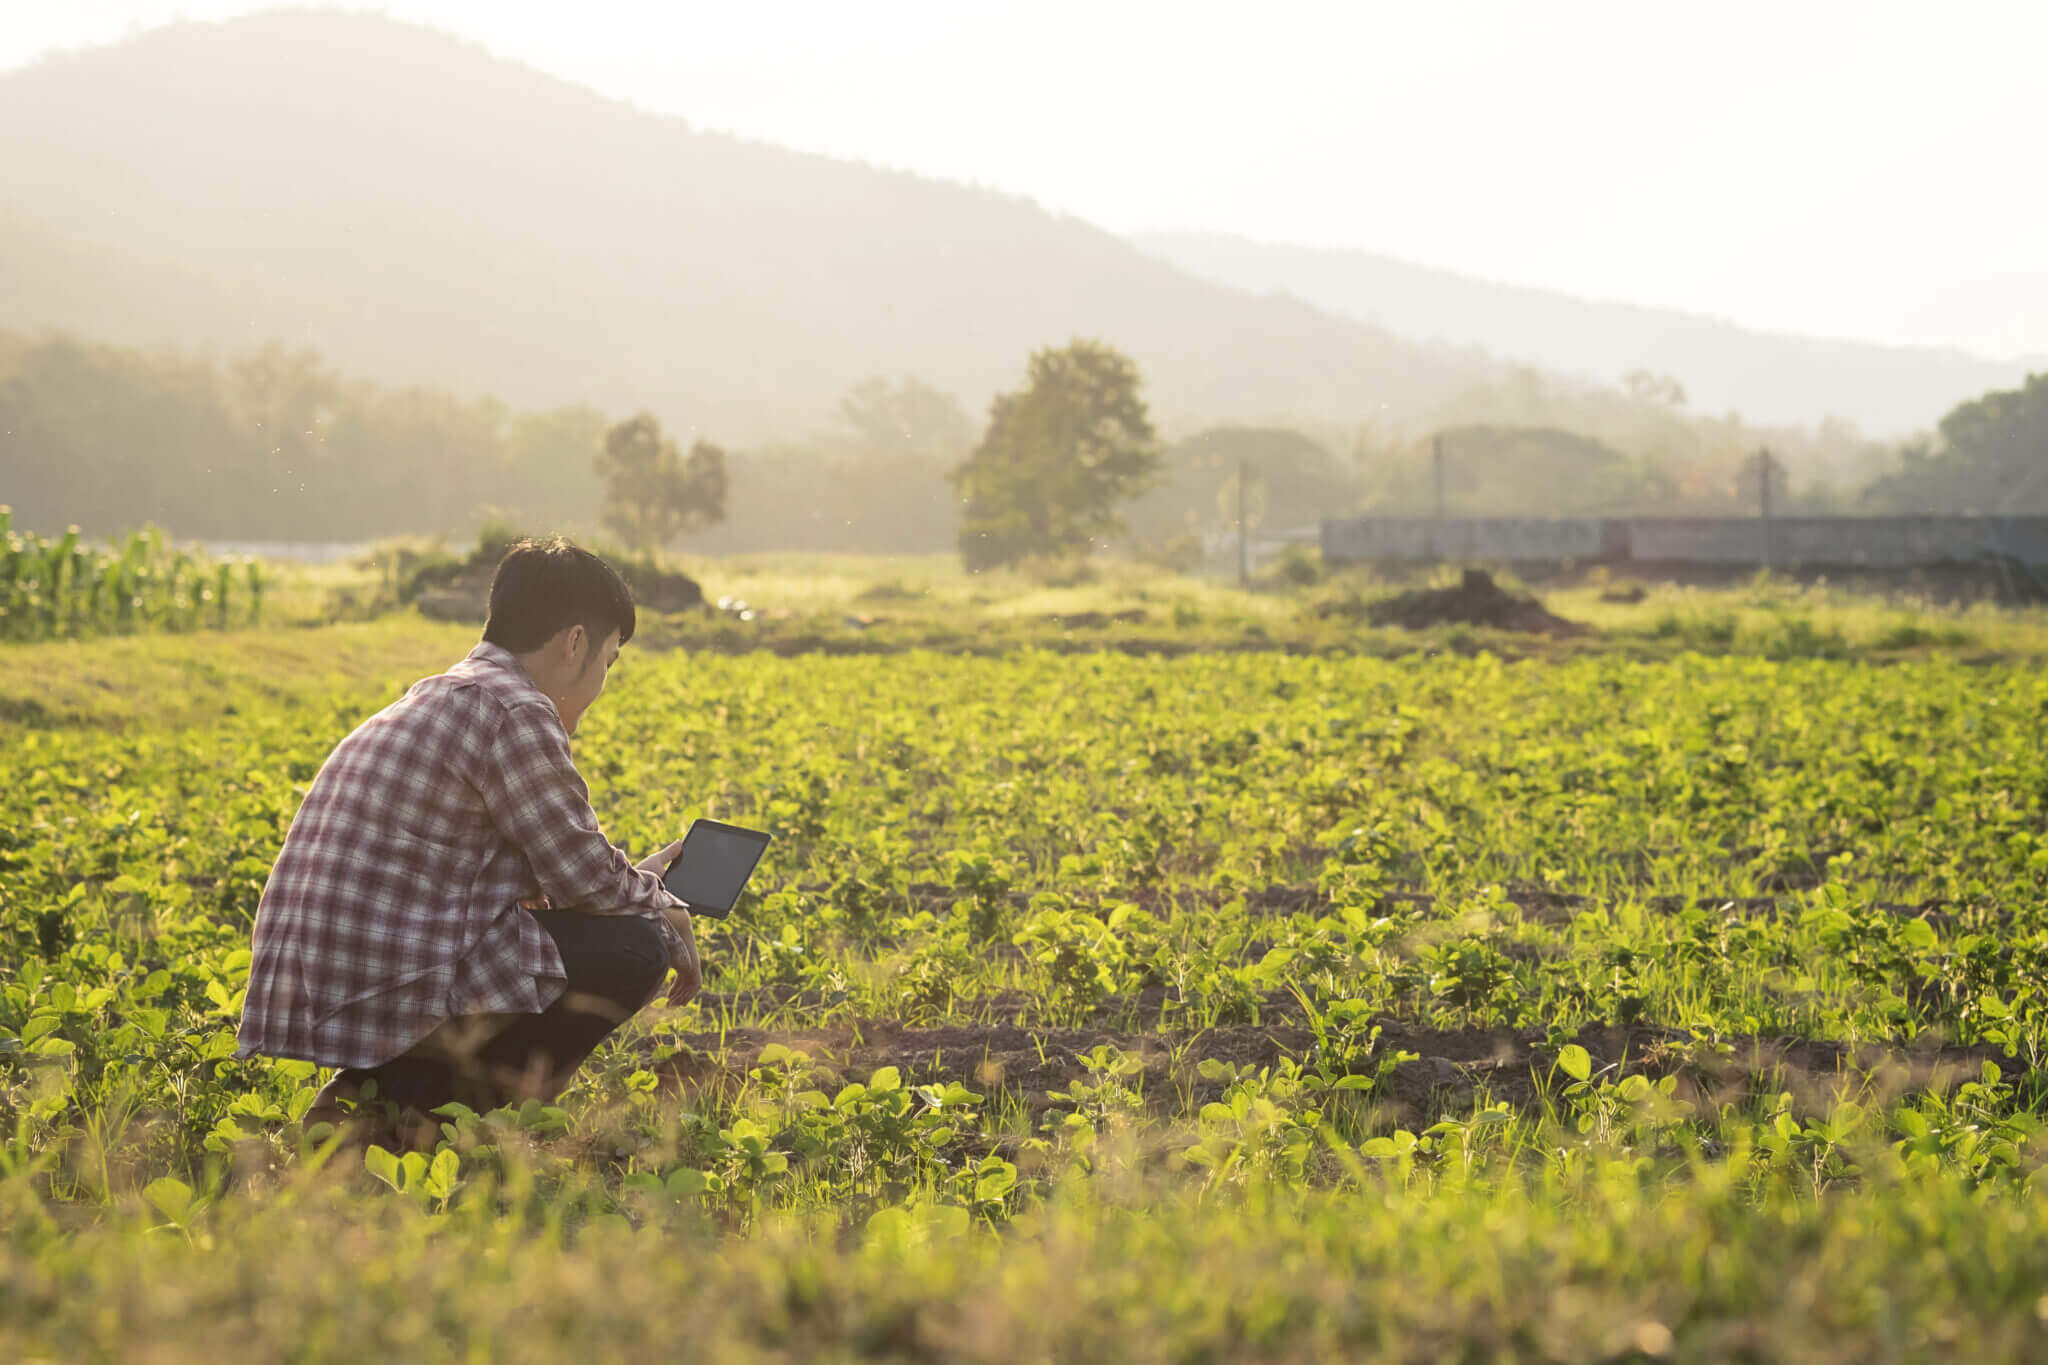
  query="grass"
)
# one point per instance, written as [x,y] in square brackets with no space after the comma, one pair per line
[1598,1267]
[145,681]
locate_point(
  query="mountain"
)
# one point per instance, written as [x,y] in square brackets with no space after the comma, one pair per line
[1773,379]
[423,212]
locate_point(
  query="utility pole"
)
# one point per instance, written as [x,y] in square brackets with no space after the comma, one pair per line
[1244,555]
[1764,462]
[1436,459]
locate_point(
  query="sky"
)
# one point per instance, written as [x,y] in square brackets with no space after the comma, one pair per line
[1861,170]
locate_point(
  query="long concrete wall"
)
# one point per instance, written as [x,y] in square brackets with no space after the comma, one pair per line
[1829,542]
[1522,539]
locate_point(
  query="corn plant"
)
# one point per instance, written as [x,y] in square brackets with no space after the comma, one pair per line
[69,587]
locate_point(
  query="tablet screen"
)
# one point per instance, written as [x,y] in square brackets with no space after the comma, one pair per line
[712,870]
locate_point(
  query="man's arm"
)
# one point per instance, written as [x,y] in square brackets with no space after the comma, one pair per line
[539,802]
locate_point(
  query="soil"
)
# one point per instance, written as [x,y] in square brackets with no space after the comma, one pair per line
[1476,601]
[1095,620]
[1952,584]
[1449,1070]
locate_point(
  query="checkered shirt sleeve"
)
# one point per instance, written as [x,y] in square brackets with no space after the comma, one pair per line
[539,803]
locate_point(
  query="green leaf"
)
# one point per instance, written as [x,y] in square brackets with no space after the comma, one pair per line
[383,1165]
[1574,1061]
[1844,1119]
[885,1079]
[1918,934]
[442,1174]
[683,1182]
[171,1197]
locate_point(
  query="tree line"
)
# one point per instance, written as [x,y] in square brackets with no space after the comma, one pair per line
[273,444]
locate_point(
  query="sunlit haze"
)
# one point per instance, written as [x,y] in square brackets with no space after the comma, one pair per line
[1856,170]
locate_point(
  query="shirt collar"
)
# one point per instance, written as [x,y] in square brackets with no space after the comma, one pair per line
[486,652]
[497,656]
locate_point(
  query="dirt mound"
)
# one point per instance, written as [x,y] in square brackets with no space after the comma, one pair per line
[1476,601]
[462,592]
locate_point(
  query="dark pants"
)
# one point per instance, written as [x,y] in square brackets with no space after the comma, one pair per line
[614,964]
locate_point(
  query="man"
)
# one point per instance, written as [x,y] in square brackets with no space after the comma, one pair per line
[445,920]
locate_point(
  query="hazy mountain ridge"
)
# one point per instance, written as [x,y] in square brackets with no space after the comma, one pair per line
[424,212]
[1767,377]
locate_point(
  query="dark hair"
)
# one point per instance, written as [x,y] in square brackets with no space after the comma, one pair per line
[545,586]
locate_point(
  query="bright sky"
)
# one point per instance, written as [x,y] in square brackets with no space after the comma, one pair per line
[1860,169]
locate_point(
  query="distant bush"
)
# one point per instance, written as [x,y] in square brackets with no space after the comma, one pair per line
[1180,553]
[1912,635]
[1300,566]
[1797,637]
[1057,571]
[1703,630]
[891,591]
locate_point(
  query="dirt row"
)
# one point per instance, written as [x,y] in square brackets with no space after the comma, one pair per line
[1451,1068]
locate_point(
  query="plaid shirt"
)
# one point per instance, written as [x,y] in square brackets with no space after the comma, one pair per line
[394,903]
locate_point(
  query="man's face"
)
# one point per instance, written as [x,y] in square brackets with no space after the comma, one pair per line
[585,664]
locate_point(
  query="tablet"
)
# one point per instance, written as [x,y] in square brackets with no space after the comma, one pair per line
[712,870]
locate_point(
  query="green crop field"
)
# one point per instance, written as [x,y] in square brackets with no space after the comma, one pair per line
[1678,994]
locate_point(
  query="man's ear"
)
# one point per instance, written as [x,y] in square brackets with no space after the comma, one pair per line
[573,639]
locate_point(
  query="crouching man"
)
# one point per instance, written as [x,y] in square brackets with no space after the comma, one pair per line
[445,919]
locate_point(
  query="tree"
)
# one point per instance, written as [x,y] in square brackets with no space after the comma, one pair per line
[1057,459]
[1294,482]
[1650,387]
[1992,458]
[652,493]
[909,419]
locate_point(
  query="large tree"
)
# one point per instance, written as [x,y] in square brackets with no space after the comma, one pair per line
[1058,457]
[653,493]
[1992,458]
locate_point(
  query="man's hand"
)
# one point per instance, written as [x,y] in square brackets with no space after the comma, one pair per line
[689,972]
[689,976]
[657,863]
